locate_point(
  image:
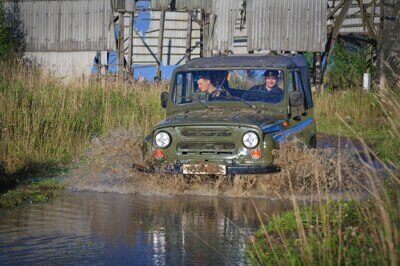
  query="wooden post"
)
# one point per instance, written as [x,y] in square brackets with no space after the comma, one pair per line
[336,28]
[381,55]
[103,63]
[160,45]
[202,26]
[188,38]
[206,35]
[317,61]
[121,46]
[130,47]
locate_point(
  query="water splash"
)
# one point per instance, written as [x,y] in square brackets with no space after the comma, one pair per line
[108,168]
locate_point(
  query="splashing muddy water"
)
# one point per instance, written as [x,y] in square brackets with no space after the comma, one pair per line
[108,168]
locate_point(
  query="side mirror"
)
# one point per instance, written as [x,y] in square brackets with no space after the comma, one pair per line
[164,99]
[296,99]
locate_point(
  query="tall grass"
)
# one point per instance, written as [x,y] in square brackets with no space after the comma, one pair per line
[342,230]
[45,123]
[368,115]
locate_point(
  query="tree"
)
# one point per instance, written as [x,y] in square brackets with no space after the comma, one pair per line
[12,35]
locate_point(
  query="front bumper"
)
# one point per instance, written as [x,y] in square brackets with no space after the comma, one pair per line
[230,169]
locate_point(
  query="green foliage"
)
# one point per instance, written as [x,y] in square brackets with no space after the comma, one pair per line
[365,115]
[11,34]
[286,221]
[331,233]
[355,232]
[348,63]
[44,123]
[40,191]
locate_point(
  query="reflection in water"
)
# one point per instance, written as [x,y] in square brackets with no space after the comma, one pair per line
[125,229]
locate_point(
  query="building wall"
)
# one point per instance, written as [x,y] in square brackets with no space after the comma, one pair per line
[66,25]
[68,65]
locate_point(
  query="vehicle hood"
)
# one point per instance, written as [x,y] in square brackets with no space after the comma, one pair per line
[251,117]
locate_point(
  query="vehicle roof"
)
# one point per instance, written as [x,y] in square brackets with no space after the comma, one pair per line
[275,61]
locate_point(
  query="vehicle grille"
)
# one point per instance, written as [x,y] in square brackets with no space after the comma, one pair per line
[206,148]
[198,132]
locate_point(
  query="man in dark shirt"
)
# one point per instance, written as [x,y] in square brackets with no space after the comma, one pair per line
[206,87]
[267,92]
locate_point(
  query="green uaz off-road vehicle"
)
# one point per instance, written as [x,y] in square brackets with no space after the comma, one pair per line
[225,115]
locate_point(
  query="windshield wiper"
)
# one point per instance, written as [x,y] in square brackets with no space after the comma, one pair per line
[243,101]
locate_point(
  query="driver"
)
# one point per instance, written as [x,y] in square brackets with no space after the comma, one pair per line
[267,92]
[206,86]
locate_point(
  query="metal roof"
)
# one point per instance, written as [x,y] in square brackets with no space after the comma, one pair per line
[289,25]
[234,61]
[66,25]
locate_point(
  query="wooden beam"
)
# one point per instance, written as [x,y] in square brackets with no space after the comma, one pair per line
[160,44]
[336,28]
[335,9]
[367,21]
[188,38]
[194,17]
[202,32]
[146,45]
[121,58]
[130,48]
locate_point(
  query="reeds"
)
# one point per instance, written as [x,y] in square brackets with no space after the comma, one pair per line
[357,227]
[45,123]
[370,115]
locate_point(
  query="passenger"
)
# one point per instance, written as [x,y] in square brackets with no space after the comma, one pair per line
[267,92]
[207,87]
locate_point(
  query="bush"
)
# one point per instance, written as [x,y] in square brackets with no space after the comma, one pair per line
[11,33]
[348,63]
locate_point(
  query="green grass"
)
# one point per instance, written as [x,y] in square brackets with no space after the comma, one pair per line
[355,113]
[330,234]
[44,123]
[334,231]
[34,191]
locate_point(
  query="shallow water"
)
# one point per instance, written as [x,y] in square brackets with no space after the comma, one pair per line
[111,228]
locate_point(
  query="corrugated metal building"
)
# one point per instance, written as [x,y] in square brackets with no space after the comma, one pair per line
[65,35]
[286,25]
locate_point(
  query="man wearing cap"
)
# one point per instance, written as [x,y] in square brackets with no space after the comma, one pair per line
[206,86]
[267,92]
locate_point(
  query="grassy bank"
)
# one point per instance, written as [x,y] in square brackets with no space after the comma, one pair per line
[333,231]
[33,191]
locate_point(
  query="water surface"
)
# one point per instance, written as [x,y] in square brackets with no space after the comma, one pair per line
[110,228]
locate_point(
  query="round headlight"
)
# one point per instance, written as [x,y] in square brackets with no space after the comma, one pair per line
[250,140]
[163,139]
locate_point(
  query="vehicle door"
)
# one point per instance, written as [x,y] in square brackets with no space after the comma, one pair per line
[299,117]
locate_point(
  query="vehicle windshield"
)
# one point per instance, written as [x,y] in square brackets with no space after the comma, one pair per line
[246,85]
